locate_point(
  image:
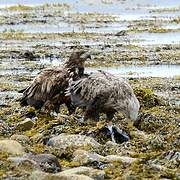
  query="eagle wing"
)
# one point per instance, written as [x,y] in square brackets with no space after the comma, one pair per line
[47,83]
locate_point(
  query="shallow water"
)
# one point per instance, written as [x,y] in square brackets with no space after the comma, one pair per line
[96,5]
[64,27]
[124,71]
[146,38]
[124,11]
[141,71]
[129,9]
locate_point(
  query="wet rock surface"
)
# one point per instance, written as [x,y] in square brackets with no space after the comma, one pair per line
[140,44]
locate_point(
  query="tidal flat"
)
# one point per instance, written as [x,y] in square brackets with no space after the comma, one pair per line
[136,40]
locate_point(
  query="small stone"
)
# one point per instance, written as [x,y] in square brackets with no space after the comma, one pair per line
[22,139]
[93,173]
[25,125]
[11,147]
[39,175]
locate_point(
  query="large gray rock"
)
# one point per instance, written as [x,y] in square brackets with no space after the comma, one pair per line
[93,173]
[39,175]
[84,157]
[12,147]
[65,142]
[25,125]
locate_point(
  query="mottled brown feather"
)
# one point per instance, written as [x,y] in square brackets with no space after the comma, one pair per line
[50,84]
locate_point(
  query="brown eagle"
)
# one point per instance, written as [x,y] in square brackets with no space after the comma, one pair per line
[103,92]
[47,90]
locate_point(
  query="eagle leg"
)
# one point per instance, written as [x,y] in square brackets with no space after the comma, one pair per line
[70,106]
[92,114]
[110,115]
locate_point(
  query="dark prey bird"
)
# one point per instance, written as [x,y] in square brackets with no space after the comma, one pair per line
[47,90]
[103,92]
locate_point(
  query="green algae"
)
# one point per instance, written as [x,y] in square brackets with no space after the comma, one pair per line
[7,86]
[147,98]
[65,163]
[159,123]
[4,164]
[16,35]
[19,7]
[159,30]
[115,171]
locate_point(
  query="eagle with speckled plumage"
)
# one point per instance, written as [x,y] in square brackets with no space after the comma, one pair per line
[103,92]
[47,90]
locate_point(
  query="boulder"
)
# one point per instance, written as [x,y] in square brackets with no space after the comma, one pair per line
[66,142]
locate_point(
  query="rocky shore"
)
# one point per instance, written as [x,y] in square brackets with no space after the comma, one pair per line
[39,146]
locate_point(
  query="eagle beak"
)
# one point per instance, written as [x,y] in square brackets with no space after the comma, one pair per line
[85,56]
